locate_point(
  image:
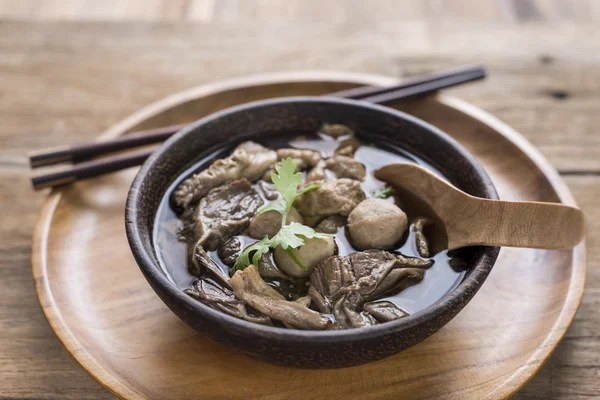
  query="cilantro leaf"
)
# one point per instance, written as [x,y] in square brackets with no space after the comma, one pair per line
[290,236]
[278,205]
[384,193]
[296,259]
[309,188]
[259,248]
[286,181]
[281,205]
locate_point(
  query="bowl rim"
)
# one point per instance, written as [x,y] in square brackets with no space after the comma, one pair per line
[156,276]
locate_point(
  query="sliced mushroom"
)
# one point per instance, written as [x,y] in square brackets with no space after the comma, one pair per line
[222,299]
[385,311]
[201,262]
[268,190]
[249,287]
[370,273]
[420,239]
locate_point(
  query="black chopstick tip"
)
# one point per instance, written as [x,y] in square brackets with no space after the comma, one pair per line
[54,155]
[48,181]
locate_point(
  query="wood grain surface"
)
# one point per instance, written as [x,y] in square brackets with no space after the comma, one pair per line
[518,321]
[64,82]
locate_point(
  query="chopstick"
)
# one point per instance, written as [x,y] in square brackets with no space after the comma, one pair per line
[79,153]
[424,88]
[362,92]
[84,152]
[91,169]
[413,87]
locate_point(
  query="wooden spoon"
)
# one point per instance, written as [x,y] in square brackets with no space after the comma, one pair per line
[473,221]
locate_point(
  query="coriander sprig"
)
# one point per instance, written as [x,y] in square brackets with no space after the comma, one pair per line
[291,236]
[384,193]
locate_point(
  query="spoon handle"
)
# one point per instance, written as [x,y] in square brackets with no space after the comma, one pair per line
[517,224]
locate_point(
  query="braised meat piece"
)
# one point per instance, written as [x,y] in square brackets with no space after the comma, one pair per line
[341,285]
[337,167]
[200,263]
[222,299]
[346,167]
[249,287]
[331,224]
[249,160]
[336,130]
[268,190]
[304,158]
[384,311]
[420,239]
[317,173]
[337,197]
[224,212]
[230,251]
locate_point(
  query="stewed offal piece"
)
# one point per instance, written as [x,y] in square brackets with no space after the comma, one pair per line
[216,296]
[342,285]
[420,239]
[249,160]
[224,212]
[332,198]
[346,167]
[230,251]
[337,167]
[336,130]
[249,287]
[303,158]
[301,238]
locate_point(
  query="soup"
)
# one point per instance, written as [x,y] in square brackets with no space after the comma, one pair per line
[298,233]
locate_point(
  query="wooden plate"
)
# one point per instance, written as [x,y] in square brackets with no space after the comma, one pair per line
[110,320]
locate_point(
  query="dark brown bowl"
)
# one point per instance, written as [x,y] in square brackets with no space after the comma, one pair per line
[290,347]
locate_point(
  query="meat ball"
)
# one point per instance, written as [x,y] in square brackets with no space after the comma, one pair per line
[269,223]
[376,224]
[313,251]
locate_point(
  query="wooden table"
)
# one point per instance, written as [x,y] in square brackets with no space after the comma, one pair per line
[63,82]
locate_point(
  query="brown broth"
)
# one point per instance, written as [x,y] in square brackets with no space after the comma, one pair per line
[439,279]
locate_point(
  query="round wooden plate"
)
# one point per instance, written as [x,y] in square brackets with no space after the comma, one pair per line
[110,320]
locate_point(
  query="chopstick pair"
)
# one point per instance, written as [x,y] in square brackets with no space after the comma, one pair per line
[88,165]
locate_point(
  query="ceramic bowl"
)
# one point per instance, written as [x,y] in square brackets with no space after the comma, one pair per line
[290,347]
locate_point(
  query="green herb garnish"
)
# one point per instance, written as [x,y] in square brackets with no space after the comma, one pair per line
[290,236]
[384,193]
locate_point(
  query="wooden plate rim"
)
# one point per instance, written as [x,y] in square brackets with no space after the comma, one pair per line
[510,386]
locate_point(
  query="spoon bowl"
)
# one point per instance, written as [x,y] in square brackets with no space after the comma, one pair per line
[473,221]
